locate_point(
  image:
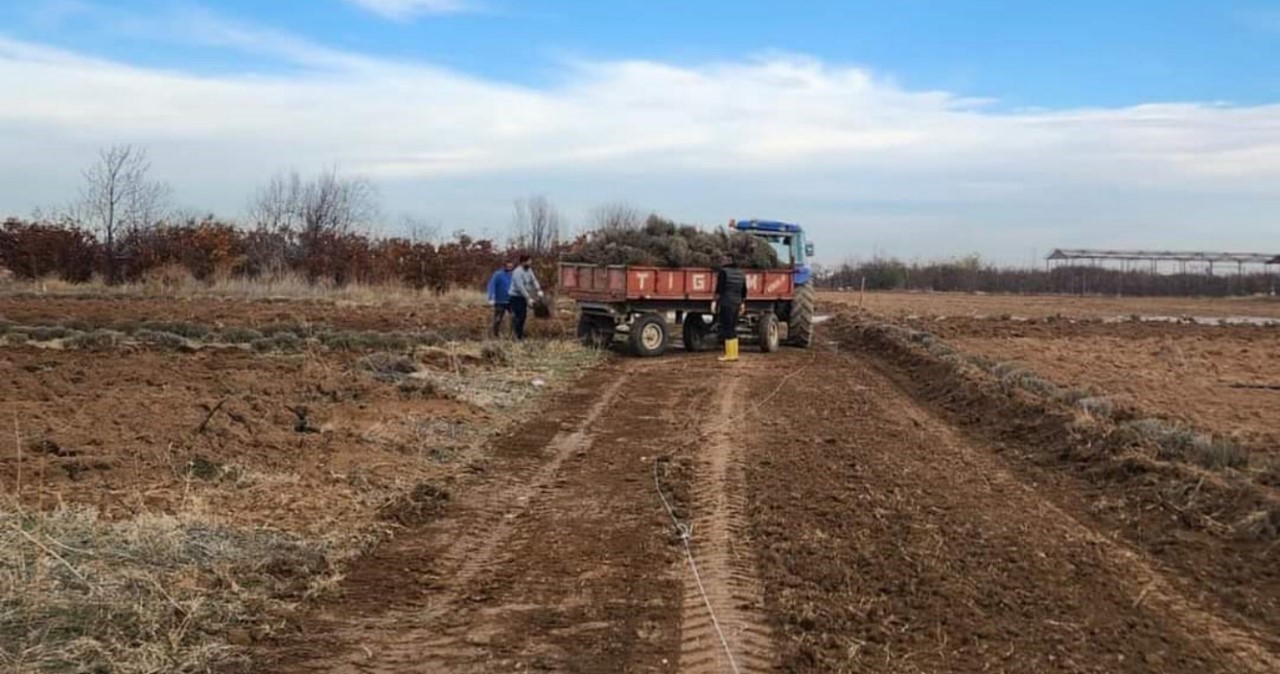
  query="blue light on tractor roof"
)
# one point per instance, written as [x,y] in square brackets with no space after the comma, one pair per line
[767,226]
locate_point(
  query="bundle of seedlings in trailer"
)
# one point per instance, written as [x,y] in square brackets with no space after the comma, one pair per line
[638,285]
[662,243]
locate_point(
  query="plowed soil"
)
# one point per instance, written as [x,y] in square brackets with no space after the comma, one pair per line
[139,432]
[833,523]
[1224,380]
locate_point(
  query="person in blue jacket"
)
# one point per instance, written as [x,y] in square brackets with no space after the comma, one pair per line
[500,296]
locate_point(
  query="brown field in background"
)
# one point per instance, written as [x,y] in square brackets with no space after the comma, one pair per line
[900,304]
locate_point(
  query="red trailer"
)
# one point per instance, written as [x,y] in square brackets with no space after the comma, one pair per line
[642,303]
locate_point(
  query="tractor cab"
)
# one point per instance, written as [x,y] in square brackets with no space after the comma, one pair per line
[787,240]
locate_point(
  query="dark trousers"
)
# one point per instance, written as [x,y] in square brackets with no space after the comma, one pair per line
[729,319]
[499,312]
[519,314]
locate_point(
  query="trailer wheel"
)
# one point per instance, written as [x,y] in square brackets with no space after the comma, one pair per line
[767,330]
[594,333]
[800,322]
[649,336]
[695,333]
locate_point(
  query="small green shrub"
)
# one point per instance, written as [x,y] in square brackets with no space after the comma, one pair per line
[296,329]
[1177,443]
[205,469]
[341,341]
[288,343]
[48,333]
[180,328]
[1218,453]
[240,335]
[98,340]
[1097,406]
[162,340]
[420,389]
[390,367]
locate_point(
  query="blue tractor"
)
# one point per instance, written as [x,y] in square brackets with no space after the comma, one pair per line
[789,242]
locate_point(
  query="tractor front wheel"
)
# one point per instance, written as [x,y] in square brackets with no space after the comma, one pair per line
[767,331]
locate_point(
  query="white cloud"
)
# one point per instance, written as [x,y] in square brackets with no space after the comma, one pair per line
[406,9]
[864,161]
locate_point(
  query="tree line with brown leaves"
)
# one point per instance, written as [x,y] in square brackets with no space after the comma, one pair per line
[121,230]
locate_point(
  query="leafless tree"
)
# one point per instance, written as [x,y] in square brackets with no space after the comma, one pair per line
[289,208]
[617,215]
[118,198]
[536,227]
[326,204]
[275,207]
[419,229]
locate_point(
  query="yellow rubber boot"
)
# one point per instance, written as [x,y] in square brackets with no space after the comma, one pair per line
[730,351]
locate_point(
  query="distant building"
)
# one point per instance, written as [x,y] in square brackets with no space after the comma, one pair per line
[1135,259]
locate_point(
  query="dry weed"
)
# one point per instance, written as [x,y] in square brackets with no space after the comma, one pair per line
[153,594]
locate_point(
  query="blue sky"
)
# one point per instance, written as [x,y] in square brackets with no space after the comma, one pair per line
[914,127]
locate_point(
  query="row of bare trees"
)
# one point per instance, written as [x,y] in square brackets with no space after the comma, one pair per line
[291,218]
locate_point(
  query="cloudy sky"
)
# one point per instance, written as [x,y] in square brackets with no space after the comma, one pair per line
[916,128]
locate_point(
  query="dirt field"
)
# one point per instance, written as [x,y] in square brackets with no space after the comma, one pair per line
[1224,380]
[860,531]
[956,304]
[867,506]
[193,464]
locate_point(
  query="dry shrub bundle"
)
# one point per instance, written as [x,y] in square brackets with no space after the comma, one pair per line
[662,243]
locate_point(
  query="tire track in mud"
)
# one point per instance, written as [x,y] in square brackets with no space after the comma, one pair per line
[411,637]
[503,512]
[723,555]
[588,581]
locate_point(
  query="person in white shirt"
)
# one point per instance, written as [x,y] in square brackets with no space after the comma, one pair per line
[525,290]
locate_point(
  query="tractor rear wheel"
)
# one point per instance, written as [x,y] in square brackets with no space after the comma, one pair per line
[800,322]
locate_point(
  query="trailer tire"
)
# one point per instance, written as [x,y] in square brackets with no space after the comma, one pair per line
[695,333]
[800,321]
[594,333]
[767,331]
[650,336]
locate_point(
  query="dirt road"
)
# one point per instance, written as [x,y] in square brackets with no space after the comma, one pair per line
[835,526]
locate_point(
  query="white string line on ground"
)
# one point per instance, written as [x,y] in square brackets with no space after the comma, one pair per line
[686,532]
[686,536]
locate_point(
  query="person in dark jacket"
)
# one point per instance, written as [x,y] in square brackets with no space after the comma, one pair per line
[730,302]
[500,296]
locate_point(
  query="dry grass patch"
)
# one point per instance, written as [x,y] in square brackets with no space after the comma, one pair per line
[156,593]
